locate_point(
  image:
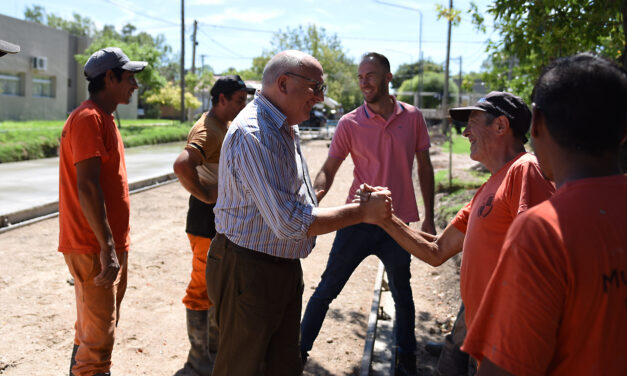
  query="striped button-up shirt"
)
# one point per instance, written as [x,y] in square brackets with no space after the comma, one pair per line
[265,199]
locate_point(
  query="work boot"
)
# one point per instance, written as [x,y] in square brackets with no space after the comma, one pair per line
[73,359]
[198,361]
[406,364]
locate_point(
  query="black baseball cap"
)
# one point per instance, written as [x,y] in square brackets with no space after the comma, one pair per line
[8,48]
[109,58]
[229,84]
[499,103]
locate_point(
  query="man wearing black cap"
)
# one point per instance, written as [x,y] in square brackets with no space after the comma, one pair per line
[197,170]
[94,208]
[497,127]
[8,48]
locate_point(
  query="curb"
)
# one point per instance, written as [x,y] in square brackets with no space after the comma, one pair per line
[38,213]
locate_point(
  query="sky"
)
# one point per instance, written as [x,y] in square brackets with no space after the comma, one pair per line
[232,32]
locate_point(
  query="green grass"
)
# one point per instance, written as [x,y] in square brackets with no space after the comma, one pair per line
[442,183]
[450,204]
[40,139]
[460,145]
[457,196]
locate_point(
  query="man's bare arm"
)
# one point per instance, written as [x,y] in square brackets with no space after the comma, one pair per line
[185,169]
[434,251]
[425,177]
[92,203]
[377,209]
[325,176]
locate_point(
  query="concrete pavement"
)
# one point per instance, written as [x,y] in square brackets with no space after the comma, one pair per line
[31,188]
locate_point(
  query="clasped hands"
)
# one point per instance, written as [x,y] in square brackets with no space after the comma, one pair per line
[375,201]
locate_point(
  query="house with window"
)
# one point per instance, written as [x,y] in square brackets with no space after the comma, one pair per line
[43,81]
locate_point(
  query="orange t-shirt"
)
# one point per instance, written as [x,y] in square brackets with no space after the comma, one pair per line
[557,302]
[88,133]
[516,187]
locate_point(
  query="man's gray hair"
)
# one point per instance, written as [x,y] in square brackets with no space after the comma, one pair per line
[282,62]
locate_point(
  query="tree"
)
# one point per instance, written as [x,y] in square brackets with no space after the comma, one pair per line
[340,70]
[407,71]
[170,95]
[432,82]
[78,25]
[534,33]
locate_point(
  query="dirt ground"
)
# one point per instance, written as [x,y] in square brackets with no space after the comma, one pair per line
[37,308]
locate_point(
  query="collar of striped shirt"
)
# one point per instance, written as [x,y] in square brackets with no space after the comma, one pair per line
[278,119]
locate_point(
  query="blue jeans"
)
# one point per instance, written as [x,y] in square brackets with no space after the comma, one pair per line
[353,244]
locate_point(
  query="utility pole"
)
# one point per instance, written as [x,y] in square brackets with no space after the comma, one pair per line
[459,91]
[194,44]
[182,61]
[202,71]
[202,61]
[447,125]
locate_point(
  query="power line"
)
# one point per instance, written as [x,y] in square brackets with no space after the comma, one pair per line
[235,54]
[141,14]
[339,36]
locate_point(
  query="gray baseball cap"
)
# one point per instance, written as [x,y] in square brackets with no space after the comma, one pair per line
[8,48]
[108,58]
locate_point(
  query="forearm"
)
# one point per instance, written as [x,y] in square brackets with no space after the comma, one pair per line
[92,203]
[332,219]
[323,183]
[427,187]
[414,242]
[206,194]
[185,170]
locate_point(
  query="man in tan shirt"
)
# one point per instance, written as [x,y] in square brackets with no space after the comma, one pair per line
[197,170]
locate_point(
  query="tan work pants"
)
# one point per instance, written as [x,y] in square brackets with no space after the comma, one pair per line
[97,312]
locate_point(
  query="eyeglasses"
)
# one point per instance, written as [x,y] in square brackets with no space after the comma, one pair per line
[320,87]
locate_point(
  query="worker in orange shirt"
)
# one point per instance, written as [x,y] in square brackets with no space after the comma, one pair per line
[94,208]
[557,301]
[497,126]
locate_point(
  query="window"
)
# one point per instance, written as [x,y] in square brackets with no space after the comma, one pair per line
[43,87]
[10,84]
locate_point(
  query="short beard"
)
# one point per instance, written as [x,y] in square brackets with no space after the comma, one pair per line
[381,93]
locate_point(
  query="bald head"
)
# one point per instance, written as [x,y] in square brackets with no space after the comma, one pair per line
[286,61]
[291,82]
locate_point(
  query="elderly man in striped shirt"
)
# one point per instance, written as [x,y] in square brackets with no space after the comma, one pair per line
[267,218]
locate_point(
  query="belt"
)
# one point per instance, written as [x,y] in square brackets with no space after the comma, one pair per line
[256,254]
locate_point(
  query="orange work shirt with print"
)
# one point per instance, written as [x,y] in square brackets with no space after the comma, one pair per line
[89,132]
[557,302]
[513,189]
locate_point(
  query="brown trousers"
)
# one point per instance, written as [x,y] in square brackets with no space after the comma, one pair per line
[97,312]
[196,294]
[258,301]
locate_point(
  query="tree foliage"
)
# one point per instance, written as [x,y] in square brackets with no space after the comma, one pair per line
[533,33]
[340,70]
[432,82]
[77,25]
[408,71]
[170,95]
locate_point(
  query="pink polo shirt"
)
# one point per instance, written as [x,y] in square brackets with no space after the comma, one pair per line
[383,151]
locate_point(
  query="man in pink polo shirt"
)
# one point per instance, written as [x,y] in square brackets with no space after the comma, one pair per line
[382,136]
